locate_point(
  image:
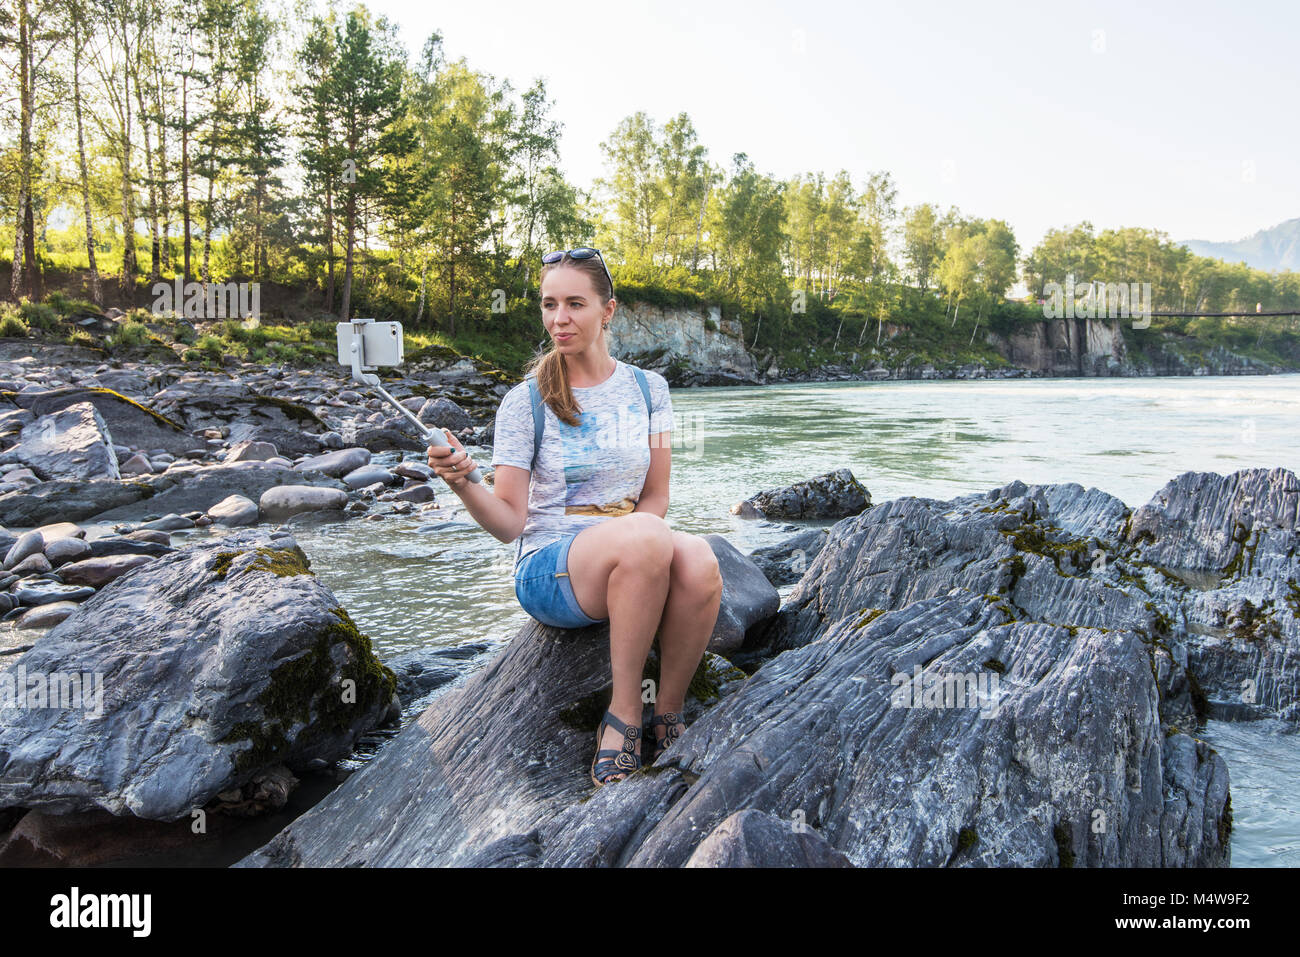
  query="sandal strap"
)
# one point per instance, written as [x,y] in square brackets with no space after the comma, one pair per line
[603,765]
[614,721]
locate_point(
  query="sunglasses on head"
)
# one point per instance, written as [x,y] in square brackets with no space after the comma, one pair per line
[582,252]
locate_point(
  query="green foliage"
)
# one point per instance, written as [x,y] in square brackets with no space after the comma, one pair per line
[12,323]
[130,335]
[39,315]
[67,306]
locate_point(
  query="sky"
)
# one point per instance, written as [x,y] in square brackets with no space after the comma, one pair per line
[1174,116]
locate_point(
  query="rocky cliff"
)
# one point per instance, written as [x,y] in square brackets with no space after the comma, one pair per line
[696,347]
[689,346]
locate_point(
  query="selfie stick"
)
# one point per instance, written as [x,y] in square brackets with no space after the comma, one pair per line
[364,373]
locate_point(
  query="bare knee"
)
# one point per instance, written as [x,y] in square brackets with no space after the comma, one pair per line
[645,542]
[695,566]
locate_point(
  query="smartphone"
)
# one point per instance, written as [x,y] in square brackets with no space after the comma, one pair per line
[381,343]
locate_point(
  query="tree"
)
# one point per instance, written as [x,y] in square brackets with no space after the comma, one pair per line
[366,82]
[922,243]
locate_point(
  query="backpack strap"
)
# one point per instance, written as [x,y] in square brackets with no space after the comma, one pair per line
[645,390]
[539,417]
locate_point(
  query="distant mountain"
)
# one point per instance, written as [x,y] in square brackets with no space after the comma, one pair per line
[1269,249]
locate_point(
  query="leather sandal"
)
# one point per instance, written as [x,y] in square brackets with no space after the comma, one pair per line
[670,721]
[609,762]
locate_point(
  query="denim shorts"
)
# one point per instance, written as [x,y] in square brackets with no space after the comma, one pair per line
[543,588]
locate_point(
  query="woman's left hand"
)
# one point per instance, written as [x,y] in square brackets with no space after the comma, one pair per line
[451,463]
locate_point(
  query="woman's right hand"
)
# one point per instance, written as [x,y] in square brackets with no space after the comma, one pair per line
[451,463]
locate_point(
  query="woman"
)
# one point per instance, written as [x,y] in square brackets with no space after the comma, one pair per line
[588,506]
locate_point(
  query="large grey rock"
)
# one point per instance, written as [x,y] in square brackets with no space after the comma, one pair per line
[249,451]
[70,444]
[752,838]
[368,475]
[220,661]
[41,592]
[235,510]
[285,501]
[44,616]
[785,562]
[129,422]
[443,413]
[337,463]
[72,500]
[817,735]
[834,495]
[291,427]
[748,597]
[36,564]
[1227,552]
[390,436]
[28,544]
[97,572]
[66,550]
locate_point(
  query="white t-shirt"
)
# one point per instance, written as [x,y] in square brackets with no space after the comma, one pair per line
[589,473]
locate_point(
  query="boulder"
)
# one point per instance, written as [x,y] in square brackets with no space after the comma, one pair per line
[97,572]
[834,495]
[170,522]
[368,475]
[442,413]
[753,838]
[416,493]
[129,422]
[59,530]
[71,444]
[248,416]
[393,436]
[43,592]
[43,616]
[72,500]
[335,464]
[785,562]
[127,545]
[226,659]
[28,544]
[234,510]
[36,564]
[284,501]
[251,451]
[66,550]
[748,597]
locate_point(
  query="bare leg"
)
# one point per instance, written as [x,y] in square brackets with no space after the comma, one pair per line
[690,613]
[619,570]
